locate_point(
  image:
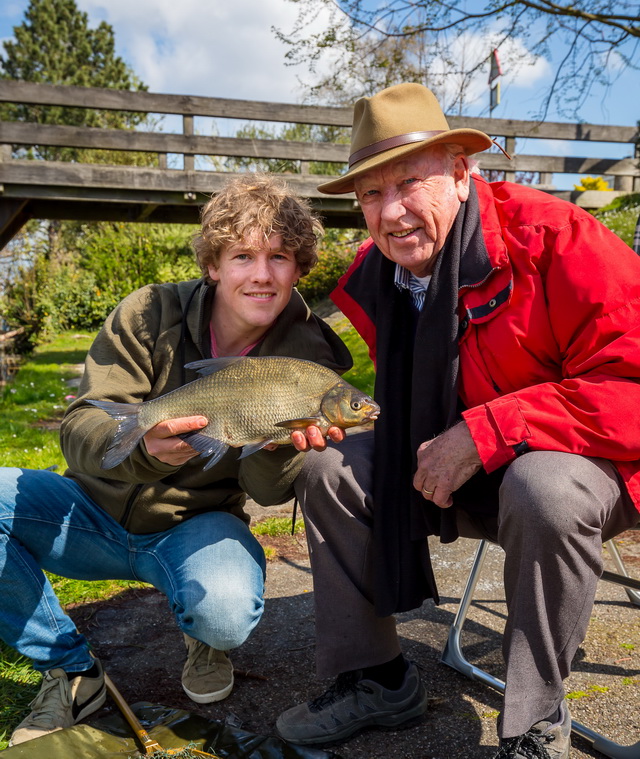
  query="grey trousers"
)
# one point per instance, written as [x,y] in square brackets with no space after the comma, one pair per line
[555,510]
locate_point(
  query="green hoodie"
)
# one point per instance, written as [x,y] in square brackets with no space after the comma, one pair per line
[139,354]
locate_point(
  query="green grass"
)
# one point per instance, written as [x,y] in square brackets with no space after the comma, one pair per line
[363,373]
[18,686]
[87,591]
[35,400]
[591,691]
[275,526]
[621,216]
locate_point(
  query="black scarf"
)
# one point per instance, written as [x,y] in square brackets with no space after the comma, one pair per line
[417,389]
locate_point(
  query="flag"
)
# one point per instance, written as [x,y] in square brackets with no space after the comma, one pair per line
[496,68]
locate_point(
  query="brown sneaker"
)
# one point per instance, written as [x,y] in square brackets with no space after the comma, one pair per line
[61,703]
[208,674]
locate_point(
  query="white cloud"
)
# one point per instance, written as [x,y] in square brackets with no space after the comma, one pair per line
[217,49]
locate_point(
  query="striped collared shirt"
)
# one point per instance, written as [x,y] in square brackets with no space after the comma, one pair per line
[405,280]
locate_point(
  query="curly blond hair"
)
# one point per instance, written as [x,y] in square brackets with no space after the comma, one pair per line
[258,203]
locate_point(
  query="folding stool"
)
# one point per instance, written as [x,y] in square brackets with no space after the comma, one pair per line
[453,657]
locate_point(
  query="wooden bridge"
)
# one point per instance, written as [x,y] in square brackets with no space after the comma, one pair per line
[46,189]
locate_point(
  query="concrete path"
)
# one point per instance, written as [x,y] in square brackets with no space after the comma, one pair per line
[604,688]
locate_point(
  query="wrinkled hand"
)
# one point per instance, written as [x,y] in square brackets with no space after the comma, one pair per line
[445,463]
[312,437]
[163,444]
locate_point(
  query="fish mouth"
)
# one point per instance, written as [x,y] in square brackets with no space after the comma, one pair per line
[373,415]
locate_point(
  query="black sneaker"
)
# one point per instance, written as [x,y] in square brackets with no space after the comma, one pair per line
[542,741]
[351,705]
[61,703]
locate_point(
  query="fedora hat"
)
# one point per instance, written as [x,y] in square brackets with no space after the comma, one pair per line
[396,122]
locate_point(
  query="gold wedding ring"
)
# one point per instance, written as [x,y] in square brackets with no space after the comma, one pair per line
[428,492]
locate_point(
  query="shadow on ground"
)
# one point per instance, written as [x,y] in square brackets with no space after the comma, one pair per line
[136,638]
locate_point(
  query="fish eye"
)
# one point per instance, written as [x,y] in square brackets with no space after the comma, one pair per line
[356,405]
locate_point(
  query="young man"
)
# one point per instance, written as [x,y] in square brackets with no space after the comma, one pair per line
[159,516]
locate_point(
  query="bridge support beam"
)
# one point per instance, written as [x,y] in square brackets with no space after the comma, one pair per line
[14,214]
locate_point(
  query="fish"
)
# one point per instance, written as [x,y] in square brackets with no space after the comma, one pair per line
[249,402]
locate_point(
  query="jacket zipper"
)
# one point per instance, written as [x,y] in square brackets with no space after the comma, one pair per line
[482,281]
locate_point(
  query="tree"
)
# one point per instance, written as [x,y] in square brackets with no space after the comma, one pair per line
[596,35]
[290,133]
[55,45]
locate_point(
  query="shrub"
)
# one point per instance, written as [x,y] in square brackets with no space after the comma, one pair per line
[336,252]
[592,183]
[621,216]
[95,266]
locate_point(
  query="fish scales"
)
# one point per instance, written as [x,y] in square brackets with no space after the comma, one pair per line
[271,392]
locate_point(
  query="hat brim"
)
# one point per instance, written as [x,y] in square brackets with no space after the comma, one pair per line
[472,140]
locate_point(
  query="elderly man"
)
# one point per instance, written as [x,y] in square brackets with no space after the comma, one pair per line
[505,326]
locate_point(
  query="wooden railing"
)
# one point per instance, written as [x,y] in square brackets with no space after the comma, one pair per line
[73,190]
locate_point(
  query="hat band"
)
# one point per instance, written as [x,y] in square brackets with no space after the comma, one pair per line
[391,142]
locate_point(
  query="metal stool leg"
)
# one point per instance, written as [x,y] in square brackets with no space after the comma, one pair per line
[614,552]
[453,657]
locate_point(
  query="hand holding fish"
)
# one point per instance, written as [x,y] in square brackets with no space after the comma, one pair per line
[445,464]
[312,437]
[162,441]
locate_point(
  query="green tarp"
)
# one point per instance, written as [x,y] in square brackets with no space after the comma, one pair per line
[112,738]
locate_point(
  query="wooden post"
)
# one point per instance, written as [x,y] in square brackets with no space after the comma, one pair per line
[187,129]
[510,147]
[623,184]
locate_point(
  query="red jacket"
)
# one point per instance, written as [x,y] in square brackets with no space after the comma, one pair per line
[550,344]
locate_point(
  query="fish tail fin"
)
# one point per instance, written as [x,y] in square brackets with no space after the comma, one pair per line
[128,434]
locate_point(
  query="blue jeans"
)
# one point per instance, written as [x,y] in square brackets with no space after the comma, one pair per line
[210,567]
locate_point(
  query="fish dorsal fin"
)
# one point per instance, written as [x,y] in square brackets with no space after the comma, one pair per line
[208,366]
[206,446]
[250,448]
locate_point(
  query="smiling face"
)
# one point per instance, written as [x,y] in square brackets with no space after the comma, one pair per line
[410,205]
[254,279]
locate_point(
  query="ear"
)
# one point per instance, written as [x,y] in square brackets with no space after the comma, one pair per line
[461,176]
[214,274]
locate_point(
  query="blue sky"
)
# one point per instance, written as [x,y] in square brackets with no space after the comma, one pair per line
[227,49]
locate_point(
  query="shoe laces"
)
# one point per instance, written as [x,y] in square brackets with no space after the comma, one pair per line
[530,745]
[52,701]
[202,657]
[347,682]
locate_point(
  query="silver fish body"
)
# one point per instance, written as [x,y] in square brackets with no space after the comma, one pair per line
[249,402]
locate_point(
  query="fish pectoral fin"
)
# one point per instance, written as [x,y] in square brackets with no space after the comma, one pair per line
[206,446]
[247,450]
[297,424]
[208,366]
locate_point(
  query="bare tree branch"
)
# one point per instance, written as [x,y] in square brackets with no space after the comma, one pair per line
[595,33]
